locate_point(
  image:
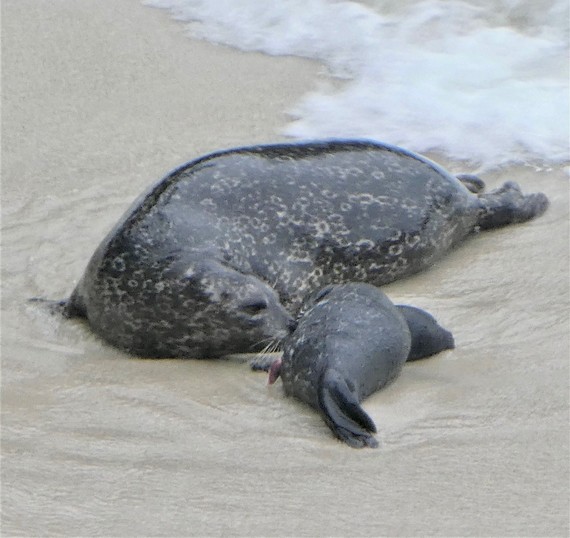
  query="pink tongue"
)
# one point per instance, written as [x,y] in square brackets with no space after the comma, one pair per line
[274,371]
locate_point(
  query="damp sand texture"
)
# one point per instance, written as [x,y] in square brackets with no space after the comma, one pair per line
[100,99]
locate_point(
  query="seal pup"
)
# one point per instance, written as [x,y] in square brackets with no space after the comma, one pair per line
[218,256]
[351,342]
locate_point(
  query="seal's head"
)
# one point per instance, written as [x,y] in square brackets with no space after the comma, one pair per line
[233,312]
[428,337]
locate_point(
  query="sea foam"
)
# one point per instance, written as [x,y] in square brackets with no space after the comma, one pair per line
[478,80]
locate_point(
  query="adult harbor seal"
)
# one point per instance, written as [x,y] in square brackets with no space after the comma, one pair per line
[351,342]
[217,257]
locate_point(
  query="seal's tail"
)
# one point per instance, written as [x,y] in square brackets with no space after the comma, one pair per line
[342,413]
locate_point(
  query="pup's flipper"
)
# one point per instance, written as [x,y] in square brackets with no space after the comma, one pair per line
[342,412]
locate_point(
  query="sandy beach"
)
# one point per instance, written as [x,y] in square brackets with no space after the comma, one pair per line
[100,99]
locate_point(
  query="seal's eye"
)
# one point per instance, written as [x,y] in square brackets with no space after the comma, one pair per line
[254,308]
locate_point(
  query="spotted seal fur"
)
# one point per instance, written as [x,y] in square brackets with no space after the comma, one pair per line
[351,342]
[218,255]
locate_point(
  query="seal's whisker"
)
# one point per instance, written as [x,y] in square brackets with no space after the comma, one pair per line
[268,340]
[271,347]
[267,346]
[263,359]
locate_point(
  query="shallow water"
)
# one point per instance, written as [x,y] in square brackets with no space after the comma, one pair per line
[473,441]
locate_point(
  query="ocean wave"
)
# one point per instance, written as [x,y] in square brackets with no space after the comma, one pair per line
[480,80]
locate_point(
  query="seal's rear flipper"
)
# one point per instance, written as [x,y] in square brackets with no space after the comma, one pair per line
[508,205]
[428,337]
[342,413]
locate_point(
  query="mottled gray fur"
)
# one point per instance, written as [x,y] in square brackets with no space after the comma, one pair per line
[219,254]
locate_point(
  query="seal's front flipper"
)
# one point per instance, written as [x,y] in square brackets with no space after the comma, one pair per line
[342,413]
[508,205]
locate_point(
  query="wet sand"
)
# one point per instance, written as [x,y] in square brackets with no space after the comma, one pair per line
[100,99]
